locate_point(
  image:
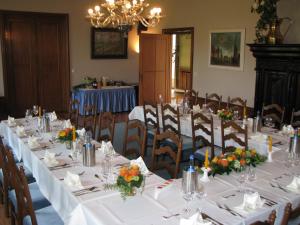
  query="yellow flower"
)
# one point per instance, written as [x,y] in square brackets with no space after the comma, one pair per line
[62,133]
[253,152]
[229,158]
[215,159]
[238,151]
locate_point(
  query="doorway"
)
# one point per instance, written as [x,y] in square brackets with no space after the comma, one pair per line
[182,59]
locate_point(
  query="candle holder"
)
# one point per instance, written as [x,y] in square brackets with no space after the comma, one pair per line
[205,178]
[270,157]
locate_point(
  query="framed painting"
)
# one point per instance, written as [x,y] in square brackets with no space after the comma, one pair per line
[227,49]
[108,43]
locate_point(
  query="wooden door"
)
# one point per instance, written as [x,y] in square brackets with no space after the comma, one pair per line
[21,86]
[36,61]
[154,67]
[52,58]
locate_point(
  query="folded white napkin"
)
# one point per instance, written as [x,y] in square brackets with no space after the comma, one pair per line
[81,132]
[50,159]
[52,116]
[67,124]
[33,142]
[21,131]
[73,180]
[195,219]
[107,148]
[196,108]
[163,187]
[140,162]
[11,121]
[251,202]
[287,129]
[295,184]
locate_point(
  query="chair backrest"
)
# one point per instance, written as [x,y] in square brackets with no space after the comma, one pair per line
[192,96]
[106,127]
[170,119]
[231,134]
[168,138]
[151,117]
[135,138]
[6,185]
[74,111]
[19,183]
[198,126]
[89,118]
[290,214]
[275,111]
[237,104]
[213,106]
[295,119]
[214,97]
[270,221]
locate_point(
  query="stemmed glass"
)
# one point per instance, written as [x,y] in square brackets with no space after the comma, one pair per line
[242,178]
[235,115]
[251,174]
[188,190]
[35,110]
[200,194]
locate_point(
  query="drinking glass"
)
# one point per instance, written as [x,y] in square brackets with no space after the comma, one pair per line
[188,190]
[242,178]
[106,167]
[251,174]
[35,110]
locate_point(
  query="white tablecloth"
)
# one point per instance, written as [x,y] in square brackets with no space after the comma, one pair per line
[108,208]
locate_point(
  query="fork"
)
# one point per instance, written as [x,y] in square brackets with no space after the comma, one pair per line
[79,174]
[170,216]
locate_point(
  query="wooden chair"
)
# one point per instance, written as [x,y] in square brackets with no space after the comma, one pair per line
[237,104]
[213,107]
[291,216]
[192,97]
[151,119]
[275,111]
[170,119]
[74,111]
[135,139]
[105,127]
[295,119]
[158,150]
[4,181]
[26,214]
[199,132]
[232,135]
[213,98]
[89,118]
[270,221]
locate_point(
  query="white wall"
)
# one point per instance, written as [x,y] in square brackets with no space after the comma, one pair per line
[203,15]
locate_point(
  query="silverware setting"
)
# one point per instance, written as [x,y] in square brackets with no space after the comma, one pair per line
[56,155]
[86,191]
[97,176]
[269,202]
[232,212]
[206,217]
[65,165]
[229,196]
[276,185]
[170,216]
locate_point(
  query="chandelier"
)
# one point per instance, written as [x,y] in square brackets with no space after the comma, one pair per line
[123,14]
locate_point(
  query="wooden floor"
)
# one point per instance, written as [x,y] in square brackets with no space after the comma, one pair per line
[3,219]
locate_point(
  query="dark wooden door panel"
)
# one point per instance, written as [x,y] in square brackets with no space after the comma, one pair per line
[21,78]
[36,60]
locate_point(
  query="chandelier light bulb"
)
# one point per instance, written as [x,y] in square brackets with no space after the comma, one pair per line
[90,11]
[134,2]
[97,8]
[128,5]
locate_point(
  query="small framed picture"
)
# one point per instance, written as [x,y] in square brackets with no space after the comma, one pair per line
[227,49]
[108,43]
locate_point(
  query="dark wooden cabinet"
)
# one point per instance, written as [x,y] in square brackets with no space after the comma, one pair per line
[277,76]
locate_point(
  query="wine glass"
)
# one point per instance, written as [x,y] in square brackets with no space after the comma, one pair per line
[188,190]
[251,174]
[28,114]
[236,115]
[200,194]
[35,110]
[242,178]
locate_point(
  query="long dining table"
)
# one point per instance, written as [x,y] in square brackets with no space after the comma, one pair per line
[98,205]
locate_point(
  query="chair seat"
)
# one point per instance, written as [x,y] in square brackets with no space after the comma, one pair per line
[28,174]
[45,216]
[38,200]
[200,153]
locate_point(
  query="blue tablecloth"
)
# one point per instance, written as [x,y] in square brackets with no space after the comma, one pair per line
[108,99]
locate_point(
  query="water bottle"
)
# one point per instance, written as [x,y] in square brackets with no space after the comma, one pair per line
[88,154]
[191,164]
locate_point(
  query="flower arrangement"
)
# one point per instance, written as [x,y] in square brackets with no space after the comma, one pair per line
[129,179]
[267,10]
[225,114]
[235,161]
[68,134]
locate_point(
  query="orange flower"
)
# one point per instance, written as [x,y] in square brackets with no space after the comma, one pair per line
[224,162]
[219,161]
[134,172]
[233,157]
[243,154]
[243,162]
[127,178]
[123,171]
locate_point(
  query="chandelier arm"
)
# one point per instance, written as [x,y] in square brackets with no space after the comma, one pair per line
[143,21]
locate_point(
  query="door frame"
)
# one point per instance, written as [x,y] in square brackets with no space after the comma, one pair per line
[184,30]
